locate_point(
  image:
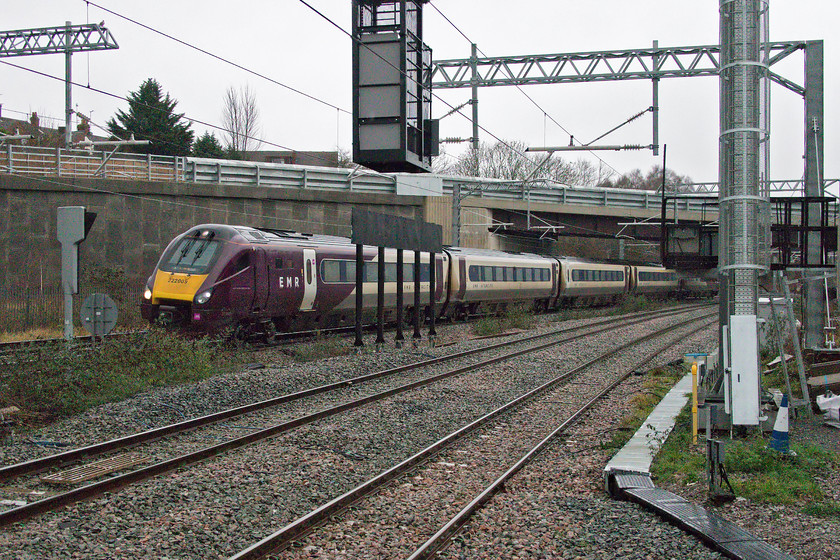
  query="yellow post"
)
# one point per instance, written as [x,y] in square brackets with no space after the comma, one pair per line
[694,403]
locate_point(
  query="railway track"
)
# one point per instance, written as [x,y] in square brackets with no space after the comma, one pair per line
[361,515]
[13,473]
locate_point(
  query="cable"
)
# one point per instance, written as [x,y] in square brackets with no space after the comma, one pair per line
[121,98]
[109,94]
[545,113]
[220,58]
[405,74]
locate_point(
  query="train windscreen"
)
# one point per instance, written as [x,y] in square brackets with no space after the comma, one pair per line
[191,256]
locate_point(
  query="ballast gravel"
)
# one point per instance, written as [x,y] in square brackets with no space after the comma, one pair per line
[214,509]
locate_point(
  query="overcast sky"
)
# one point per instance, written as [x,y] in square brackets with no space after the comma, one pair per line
[286,41]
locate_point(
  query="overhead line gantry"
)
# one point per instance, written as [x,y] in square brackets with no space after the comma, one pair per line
[67,39]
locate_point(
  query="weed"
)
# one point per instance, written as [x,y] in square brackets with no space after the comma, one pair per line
[756,472]
[656,385]
[514,317]
[60,380]
[822,509]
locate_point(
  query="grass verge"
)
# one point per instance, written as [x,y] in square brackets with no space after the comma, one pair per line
[656,385]
[61,380]
[514,317]
[629,303]
[756,472]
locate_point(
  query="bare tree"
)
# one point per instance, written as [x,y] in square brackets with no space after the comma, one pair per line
[241,120]
[508,160]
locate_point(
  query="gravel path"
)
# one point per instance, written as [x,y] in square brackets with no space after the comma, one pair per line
[222,506]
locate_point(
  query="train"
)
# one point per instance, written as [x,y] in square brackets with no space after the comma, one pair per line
[253,282]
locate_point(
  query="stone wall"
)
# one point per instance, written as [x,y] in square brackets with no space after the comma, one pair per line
[136,220]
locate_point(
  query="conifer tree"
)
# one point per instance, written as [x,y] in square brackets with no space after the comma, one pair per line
[151,116]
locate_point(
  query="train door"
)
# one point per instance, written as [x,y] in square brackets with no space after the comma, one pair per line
[626,279]
[261,280]
[242,284]
[310,280]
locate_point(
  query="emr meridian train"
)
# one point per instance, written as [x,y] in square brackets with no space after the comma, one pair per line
[251,281]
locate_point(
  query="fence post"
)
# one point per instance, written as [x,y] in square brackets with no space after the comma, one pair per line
[58,161]
[28,324]
[149,167]
[9,152]
[257,170]
[219,173]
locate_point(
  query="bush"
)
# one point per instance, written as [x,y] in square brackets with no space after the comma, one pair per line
[514,317]
[61,380]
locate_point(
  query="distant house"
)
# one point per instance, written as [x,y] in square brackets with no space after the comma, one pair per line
[318,159]
[43,135]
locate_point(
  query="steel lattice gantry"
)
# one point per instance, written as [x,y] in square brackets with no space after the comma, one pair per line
[597,66]
[58,40]
[55,40]
[654,63]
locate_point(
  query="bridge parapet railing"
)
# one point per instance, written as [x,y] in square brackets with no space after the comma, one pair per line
[246,173]
[61,162]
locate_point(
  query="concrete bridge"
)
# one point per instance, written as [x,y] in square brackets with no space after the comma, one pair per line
[142,202]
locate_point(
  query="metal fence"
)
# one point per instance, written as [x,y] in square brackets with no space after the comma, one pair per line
[26,160]
[60,162]
[24,309]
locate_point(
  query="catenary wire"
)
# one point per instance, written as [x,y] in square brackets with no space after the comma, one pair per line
[405,74]
[219,58]
[531,99]
[103,92]
[121,98]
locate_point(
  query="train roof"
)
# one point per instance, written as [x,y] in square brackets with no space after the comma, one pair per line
[492,253]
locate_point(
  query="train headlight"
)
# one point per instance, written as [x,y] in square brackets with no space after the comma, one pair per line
[147,294]
[203,297]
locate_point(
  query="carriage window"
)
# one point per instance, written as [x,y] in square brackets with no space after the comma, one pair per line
[408,272]
[474,274]
[424,272]
[331,271]
[308,271]
[499,274]
[390,272]
[371,272]
[348,271]
[278,263]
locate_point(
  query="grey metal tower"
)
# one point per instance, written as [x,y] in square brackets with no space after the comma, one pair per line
[392,87]
[744,200]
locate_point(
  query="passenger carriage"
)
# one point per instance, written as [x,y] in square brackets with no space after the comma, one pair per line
[592,283]
[488,281]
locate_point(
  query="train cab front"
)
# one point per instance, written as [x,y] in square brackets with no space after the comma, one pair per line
[180,290]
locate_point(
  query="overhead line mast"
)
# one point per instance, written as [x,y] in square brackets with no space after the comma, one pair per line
[54,40]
